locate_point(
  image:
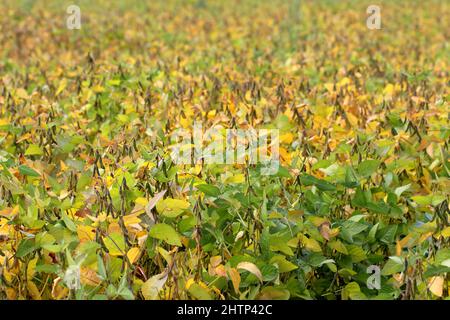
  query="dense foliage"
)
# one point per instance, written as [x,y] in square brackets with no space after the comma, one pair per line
[87,182]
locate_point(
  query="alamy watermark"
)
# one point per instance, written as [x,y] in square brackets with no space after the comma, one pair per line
[72,277]
[374,281]
[219,145]
[373,21]
[73,21]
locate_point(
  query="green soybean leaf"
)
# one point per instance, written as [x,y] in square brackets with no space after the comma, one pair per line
[27,171]
[166,233]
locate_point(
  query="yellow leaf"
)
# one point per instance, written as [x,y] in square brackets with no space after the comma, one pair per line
[446,232]
[317,221]
[61,87]
[33,291]
[352,119]
[22,93]
[235,278]
[133,255]
[151,288]
[425,236]
[345,81]
[215,261]
[190,282]
[9,212]
[34,150]
[406,241]
[172,207]
[11,294]
[64,194]
[142,201]
[4,122]
[85,233]
[436,285]
[329,86]
[284,154]
[287,138]
[293,242]
[98,89]
[31,268]
[130,219]
[388,90]
[310,244]
[239,178]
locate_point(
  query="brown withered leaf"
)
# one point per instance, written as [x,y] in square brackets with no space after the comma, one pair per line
[325,230]
[83,212]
